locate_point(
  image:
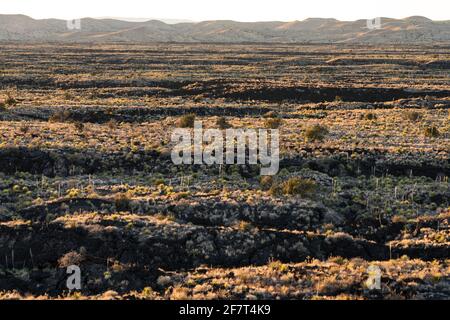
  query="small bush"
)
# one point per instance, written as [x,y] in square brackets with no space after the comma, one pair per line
[2,106]
[60,116]
[370,116]
[122,202]
[273,123]
[187,121]
[266,182]
[24,128]
[222,123]
[79,126]
[293,186]
[299,186]
[270,114]
[412,115]
[316,133]
[278,266]
[244,226]
[432,132]
[112,124]
[71,258]
[10,101]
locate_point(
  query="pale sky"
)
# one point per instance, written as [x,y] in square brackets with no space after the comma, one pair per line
[239,10]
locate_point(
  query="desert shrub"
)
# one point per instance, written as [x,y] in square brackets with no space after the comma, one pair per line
[244,225]
[79,126]
[2,106]
[276,189]
[293,186]
[270,114]
[10,101]
[24,128]
[431,132]
[179,293]
[412,115]
[187,121]
[122,202]
[222,123]
[370,116]
[266,182]
[316,132]
[71,258]
[276,265]
[273,123]
[299,186]
[60,116]
[112,124]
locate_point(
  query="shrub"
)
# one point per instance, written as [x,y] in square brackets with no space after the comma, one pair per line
[244,225]
[112,124]
[432,132]
[187,121]
[79,126]
[222,123]
[293,186]
[60,116]
[299,186]
[412,115]
[2,106]
[70,258]
[266,182]
[122,202]
[270,114]
[10,101]
[370,116]
[316,133]
[24,128]
[273,123]
[278,266]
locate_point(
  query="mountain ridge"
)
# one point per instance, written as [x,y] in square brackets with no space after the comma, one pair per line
[415,29]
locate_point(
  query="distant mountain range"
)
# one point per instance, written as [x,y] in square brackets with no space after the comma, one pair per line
[314,30]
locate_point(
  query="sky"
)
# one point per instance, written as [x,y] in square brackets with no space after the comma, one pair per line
[239,10]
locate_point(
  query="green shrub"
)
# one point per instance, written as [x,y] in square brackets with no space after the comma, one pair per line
[316,133]
[299,186]
[291,187]
[187,121]
[432,132]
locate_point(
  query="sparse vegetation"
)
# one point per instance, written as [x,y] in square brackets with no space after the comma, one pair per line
[98,175]
[432,132]
[187,121]
[273,123]
[316,133]
[222,123]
